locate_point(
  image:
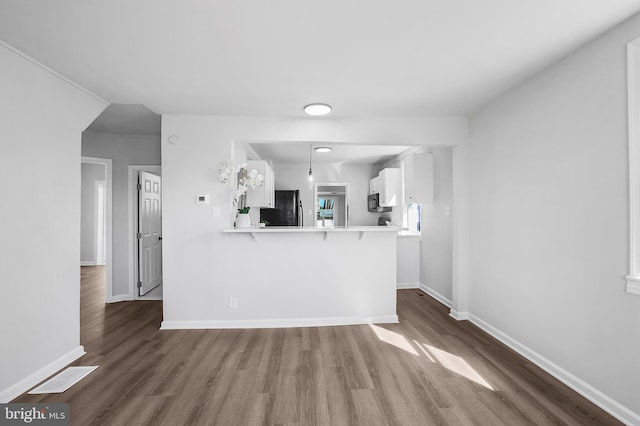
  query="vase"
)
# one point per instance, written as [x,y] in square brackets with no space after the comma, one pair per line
[243,220]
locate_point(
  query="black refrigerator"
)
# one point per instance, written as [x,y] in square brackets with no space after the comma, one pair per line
[287,212]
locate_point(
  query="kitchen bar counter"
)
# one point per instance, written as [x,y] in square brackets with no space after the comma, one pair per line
[361,230]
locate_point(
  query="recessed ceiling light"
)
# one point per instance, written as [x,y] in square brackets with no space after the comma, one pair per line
[323,149]
[317,109]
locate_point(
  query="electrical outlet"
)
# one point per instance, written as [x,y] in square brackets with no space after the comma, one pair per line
[233,303]
[447,211]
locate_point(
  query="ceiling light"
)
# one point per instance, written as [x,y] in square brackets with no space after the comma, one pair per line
[317,109]
[324,149]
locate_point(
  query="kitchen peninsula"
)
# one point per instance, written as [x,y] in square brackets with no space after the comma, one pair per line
[330,276]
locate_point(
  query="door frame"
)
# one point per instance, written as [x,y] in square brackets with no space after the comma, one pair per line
[100,185]
[133,224]
[108,163]
[346,199]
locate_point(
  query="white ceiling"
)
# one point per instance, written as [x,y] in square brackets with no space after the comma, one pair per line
[269,58]
[296,153]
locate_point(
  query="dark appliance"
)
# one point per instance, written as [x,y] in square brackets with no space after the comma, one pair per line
[373,204]
[287,211]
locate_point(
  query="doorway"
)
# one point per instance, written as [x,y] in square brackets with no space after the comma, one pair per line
[331,204]
[96,217]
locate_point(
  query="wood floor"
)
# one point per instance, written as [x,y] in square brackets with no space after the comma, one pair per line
[428,369]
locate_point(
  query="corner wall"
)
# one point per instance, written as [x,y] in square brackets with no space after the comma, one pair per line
[548,182]
[43,116]
[436,246]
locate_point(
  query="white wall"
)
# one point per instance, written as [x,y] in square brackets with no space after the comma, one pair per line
[549,224]
[436,248]
[295,176]
[42,119]
[435,262]
[203,267]
[124,151]
[90,174]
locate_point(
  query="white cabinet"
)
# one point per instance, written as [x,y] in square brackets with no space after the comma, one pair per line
[374,185]
[262,196]
[390,187]
[418,178]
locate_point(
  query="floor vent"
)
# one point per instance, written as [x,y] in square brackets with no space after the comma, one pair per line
[64,380]
[420,294]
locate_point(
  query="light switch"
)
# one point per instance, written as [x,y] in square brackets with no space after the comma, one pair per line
[447,211]
[215,211]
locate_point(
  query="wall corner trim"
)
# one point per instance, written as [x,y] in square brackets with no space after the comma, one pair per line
[6,395]
[633,285]
[608,404]
[458,316]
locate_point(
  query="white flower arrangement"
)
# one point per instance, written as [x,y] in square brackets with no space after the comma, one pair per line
[246,179]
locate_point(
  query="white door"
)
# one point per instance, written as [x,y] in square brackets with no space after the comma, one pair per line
[149,233]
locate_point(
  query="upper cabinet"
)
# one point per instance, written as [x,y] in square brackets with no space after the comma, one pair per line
[418,178]
[390,187]
[374,185]
[262,196]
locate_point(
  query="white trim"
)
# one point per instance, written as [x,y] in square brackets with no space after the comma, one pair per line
[609,405]
[431,292]
[132,181]
[145,297]
[633,285]
[458,316]
[120,298]
[52,72]
[633,87]
[108,163]
[99,234]
[401,286]
[88,263]
[460,219]
[278,323]
[38,376]
[315,200]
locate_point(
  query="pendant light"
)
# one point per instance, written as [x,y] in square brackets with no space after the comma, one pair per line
[310,169]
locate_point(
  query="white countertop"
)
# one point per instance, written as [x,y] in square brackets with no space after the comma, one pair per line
[311,229]
[281,229]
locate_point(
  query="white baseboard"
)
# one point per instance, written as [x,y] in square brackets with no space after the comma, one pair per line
[33,379]
[459,316]
[278,323]
[633,287]
[149,298]
[119,298]
[407,285]
[88,263]
[609,405]
[431,292]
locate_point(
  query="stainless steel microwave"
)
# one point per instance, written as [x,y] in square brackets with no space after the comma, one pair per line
[373,204]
